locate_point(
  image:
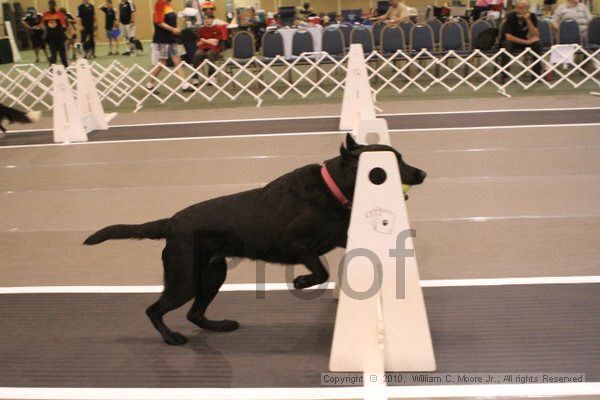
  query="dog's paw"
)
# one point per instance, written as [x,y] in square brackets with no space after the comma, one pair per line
[34,116]
[175,338]
[305,281]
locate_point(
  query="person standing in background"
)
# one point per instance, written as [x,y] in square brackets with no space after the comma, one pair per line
[33,23]
[127,21]
[55,25]
[164,45]
[87,20]
[110,24]
[71,32]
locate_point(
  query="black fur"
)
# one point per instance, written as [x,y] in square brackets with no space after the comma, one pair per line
[292,220]
[12,115]
[136,44]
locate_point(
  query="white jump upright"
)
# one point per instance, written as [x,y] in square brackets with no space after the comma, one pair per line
[88,100]
[381,322]
[67,122]
[74,119]
[358,100]
[358,111]
[372,131]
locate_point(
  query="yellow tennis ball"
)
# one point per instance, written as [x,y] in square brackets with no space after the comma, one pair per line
[405,188]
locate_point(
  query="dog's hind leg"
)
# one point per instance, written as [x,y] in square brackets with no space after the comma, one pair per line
[318,276]
[211,277]
[178,261]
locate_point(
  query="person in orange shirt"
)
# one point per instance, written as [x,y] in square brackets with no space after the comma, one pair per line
[55,26]
[164,44]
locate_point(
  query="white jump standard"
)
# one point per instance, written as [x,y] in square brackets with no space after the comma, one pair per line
[74,119]
[381,322]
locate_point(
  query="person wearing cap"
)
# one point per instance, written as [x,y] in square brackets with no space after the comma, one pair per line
[32,21]
[208,45]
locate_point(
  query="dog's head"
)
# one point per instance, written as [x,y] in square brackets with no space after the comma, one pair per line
[345,166]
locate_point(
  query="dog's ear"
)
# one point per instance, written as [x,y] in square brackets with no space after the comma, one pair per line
[346,154]
[351,143]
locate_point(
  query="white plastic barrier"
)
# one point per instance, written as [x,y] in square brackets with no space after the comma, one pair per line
[73,120]
[358,100]
[90,107]
[372,131]
[358,110]
[67,122]
[381,322]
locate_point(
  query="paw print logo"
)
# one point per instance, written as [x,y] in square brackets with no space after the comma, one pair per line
[381,219]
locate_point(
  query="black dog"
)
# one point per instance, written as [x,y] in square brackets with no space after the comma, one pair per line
[292,220]
[136,44]
[11,115]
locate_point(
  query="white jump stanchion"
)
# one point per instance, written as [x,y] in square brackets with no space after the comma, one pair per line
[68,126]
[90,107]
[372,131]
[380,326]
[358,100]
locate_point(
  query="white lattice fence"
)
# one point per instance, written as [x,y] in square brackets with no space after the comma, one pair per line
[311,74]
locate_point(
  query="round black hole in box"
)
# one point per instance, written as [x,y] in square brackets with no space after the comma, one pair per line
[377,176]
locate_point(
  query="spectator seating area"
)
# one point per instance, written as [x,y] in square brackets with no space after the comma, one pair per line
[456,35]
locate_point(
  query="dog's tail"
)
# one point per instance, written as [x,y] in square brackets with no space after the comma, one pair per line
[150,230]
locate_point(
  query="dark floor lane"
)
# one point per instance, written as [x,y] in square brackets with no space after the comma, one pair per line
[302,125]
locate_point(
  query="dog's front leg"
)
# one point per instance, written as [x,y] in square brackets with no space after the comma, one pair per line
[318,276]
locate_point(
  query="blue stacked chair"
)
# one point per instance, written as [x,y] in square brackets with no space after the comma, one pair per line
[302,42]
[476,29]
[392,40]
[347,31]
[377,28]
[243,46]
[545,29]
[333,42]
[272,45]
[364,36]
[421,37]
[406,26]
[436,26]
[593,42]
[452,37]
[568,32]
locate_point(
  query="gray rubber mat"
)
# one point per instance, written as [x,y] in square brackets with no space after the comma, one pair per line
[105,340]
[325,124]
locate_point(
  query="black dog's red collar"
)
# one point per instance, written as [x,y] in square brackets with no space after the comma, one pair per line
[334,188]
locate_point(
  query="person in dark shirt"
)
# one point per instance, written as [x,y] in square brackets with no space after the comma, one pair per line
[55,25]
[33,23]
[87,20]
[519,33]
[127,21]
[71,32]
[164,46]
[110,24]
